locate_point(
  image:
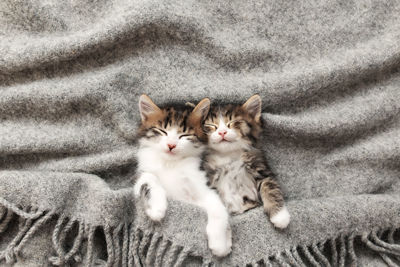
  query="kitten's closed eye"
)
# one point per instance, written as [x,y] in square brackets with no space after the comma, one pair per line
[234,124]
[159,131]
[210,127]
[185,135]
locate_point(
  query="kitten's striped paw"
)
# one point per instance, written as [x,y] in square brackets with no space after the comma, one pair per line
[281,219]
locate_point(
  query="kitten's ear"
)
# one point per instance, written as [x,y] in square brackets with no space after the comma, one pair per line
[253,107]
[147,108]
[201,110]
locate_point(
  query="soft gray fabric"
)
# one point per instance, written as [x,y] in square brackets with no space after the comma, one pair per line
[70,76]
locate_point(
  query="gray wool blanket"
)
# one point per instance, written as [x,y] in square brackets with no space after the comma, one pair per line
[71,73]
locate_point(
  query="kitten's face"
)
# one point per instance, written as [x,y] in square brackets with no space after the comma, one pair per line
[234,127]
[173,133]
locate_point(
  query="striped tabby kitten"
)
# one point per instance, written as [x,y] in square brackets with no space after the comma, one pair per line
[171,143]
[236,166]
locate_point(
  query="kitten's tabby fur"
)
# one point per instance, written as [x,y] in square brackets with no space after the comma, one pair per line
[235,164]
[171,143]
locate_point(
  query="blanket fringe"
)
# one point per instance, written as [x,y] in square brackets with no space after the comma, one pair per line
[339,251]
[30,221]
[90,243]
[127,245]
[388,250]
[59,238]
[297,257]
[8,215]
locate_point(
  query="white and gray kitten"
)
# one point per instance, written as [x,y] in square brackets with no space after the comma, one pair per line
[171,144]
[236,167]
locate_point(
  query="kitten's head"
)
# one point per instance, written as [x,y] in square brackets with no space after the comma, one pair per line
[234,127]
[174,132]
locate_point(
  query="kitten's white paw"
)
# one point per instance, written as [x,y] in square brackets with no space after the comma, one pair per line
[137,187]
[219,249]
[156,213]
[157,205]
[281,219]
[229,237]
[146,179]
[219,244]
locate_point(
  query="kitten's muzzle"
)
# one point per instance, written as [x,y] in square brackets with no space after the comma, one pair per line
[222,133]
[171,146]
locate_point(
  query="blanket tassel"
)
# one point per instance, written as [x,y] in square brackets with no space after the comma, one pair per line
[316,254]
[110,247]
[90,243]
[28,225]
[291,258]
[59,235]
[172,255]
[334,253]
[281,260]
[130,246]
[145,248]
[152,249]
[387,250]
[342,252]
[7,215]
[135,247]
[310,257]
[319,254]
[297,257]
[125,245]
[161,251]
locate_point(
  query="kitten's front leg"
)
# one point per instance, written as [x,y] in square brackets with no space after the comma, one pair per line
[153,195]
[218,229]
[273,202]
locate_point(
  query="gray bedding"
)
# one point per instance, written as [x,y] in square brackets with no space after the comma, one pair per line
[71,73]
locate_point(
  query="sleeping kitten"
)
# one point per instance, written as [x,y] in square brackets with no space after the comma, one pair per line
[171,143]
[235,164]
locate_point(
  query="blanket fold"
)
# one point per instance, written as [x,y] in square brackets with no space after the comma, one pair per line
[71,73]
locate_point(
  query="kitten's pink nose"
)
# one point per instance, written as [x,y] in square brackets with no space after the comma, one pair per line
[171,146]
[222,133]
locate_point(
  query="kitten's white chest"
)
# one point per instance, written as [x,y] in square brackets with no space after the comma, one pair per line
[181,179]
[180,184]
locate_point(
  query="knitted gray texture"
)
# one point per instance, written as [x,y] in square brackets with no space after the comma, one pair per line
[71,73]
